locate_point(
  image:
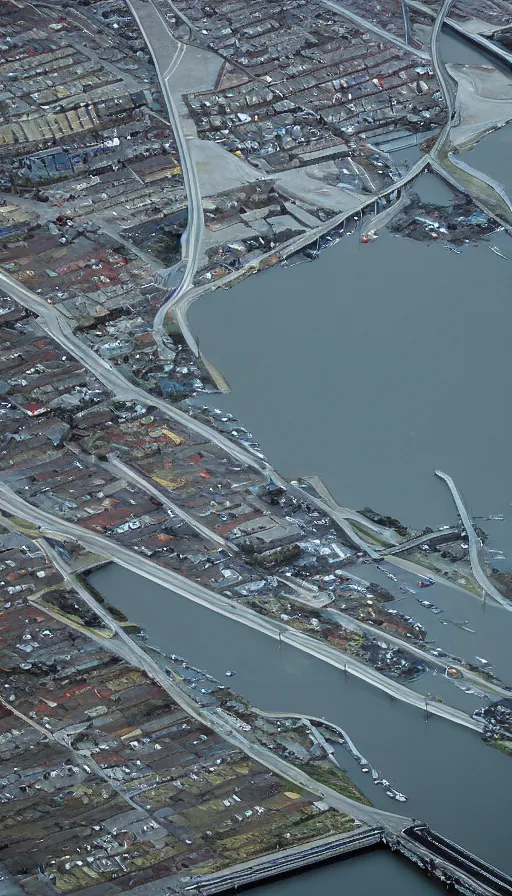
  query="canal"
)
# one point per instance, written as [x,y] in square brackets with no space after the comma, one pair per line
[453,780]
[372,366]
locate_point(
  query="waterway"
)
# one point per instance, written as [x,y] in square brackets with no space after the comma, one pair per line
[453,780]
[496,147]
[371,367]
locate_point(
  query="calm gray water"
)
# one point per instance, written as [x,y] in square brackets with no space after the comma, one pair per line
[457,50]
[493,155]
[453,780]
[371,367]
[374,874]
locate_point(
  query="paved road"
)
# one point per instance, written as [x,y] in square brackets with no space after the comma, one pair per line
[317,721]
[440,70]
[191,240]
[475,545]
[407,23]
[60,738]
[368,814]
[148,486]
[44,210]
[321,491]
[57,326]
[406,644]
[141,659]
[311,600]
[417,570]
[141,565]
[341,516]
[180,306]
[284,861]
[448,89]
[422,539]
[181,15]
[487,45]
[384,217]
[367,25]
[305,593]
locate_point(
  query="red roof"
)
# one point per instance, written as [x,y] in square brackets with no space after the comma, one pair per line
[34,409]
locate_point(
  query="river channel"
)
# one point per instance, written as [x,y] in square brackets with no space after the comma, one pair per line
[371,367]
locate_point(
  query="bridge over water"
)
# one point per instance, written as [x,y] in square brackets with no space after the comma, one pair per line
[436,855]
[451,863]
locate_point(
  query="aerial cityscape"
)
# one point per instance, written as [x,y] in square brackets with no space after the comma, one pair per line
[255,522]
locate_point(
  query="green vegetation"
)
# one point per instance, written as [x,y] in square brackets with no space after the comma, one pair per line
[271,559]
[336,779]
[24,526]
[114,612]
[505,746]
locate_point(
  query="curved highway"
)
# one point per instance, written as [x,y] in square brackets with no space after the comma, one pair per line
[442,143]
[192,237]
[422,539]
[441,73]
[475,545]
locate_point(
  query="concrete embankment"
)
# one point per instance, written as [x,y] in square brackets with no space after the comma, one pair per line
[287,862]
[179,304]
[449,863]
[453,865]
[197,593]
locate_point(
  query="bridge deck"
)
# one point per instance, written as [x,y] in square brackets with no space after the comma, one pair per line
[486,877]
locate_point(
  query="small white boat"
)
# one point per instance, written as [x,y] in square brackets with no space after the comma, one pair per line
[229,674]
[497,252]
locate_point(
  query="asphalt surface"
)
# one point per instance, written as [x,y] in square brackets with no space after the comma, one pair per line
[139,564]
[146,485]
[421,539]
[367,25]
[442,76]
[56,325]
[180,306]
[141,659]
[191,239]
[443,664]
[407,23]
[475,545]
